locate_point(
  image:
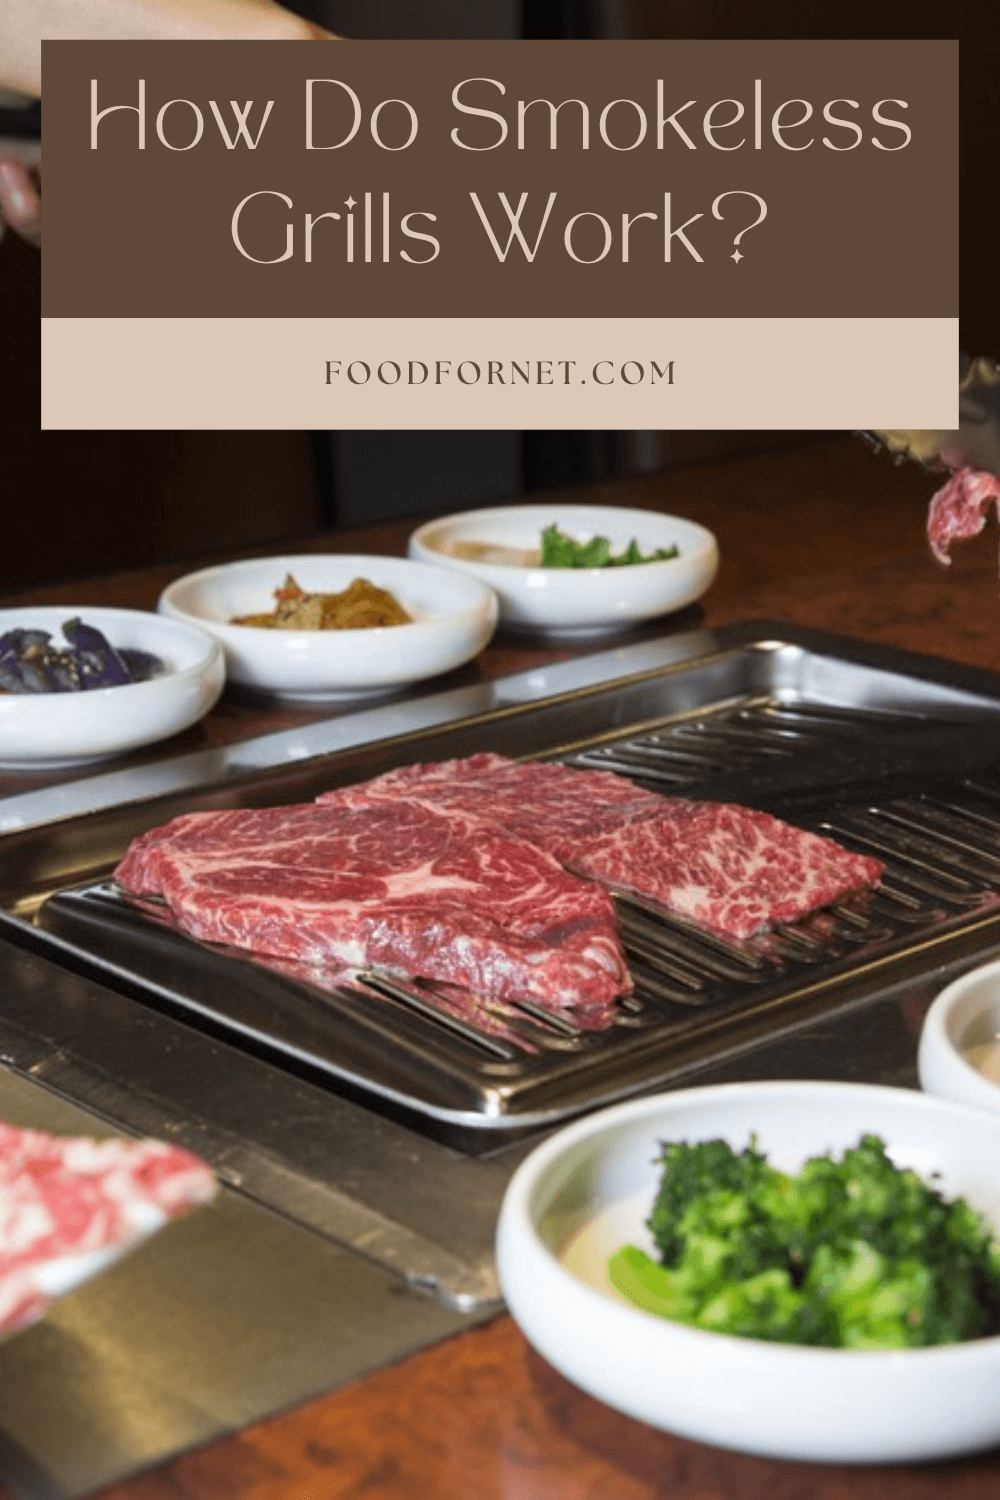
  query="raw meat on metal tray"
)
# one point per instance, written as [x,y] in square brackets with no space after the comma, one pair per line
[404,886]
[727,868]
[551,804]
[958,510]
[69,1205]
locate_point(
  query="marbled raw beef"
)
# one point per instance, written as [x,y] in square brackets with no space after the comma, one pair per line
[405,886]
[727,868]
[70,1205]
[958,510]
[552,805]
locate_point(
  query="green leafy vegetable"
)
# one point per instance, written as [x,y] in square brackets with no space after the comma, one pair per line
[854,1254]
[561,551]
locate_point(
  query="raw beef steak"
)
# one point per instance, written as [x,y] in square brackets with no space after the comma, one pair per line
[69,1206]
[553,805]
[404,886]
[723,867]
[958,510]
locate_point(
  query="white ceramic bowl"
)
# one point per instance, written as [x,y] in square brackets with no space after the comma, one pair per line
[40,731]
[966,1013]
[578,600]
[591,1187]
[454,618]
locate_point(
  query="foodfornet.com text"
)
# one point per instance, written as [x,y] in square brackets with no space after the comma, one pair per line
[500,372]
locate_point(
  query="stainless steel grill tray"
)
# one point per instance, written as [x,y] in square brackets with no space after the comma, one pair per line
[890,755]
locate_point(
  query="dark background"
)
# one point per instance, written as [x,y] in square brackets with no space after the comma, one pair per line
[74,504]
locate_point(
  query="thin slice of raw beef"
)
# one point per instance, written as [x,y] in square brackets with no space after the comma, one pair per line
[958,510]
[405,886]
[723,867]
[69,1206]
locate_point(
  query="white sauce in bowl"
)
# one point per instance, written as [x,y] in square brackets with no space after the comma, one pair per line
[985,1058]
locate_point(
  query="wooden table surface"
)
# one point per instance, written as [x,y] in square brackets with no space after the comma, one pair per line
[827,535]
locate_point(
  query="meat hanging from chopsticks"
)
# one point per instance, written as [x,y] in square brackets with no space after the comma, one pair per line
[959,509]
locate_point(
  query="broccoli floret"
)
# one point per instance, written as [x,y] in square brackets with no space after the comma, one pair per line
[692,1173]
[853,1253]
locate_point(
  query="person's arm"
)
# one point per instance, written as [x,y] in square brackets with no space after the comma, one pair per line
[25,24]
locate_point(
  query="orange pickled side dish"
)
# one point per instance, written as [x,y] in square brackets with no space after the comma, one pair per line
[361,606]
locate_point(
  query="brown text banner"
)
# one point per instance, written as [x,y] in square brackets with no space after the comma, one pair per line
[609,180]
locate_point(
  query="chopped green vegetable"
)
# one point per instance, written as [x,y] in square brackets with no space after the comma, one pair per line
[561,551]
[854,1254]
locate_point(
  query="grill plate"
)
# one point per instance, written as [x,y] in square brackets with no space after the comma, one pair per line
[893,759]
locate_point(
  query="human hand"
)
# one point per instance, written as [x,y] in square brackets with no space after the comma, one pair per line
[20,199]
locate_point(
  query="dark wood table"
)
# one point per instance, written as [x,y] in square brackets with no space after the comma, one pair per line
[825,535]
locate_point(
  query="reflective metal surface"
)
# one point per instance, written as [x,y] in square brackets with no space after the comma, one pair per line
[349,1231]
[239,764]
[888,761]
[238,1313]
[225,1317]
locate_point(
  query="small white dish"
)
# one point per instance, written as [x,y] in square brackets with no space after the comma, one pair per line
[960,1029]
[44,731]
[454,617]
[582,601]
[588,1190]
